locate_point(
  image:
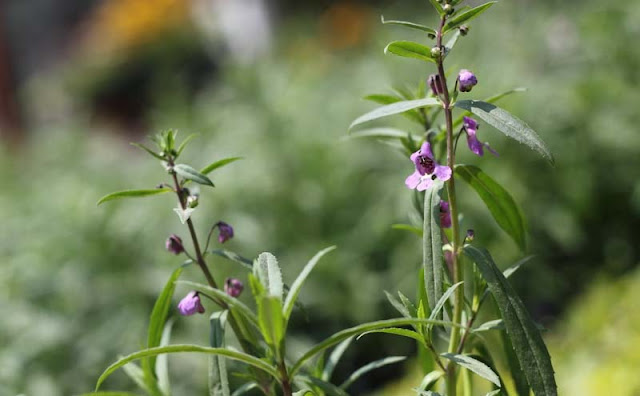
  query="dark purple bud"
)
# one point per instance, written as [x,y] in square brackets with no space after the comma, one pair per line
[445,215]
[233,287]
[226,232]
[467,80]
[173,244]
[436,84]
[190,304]
[470,235]
[464,29]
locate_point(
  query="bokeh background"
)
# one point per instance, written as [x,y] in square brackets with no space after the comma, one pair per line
[278,82]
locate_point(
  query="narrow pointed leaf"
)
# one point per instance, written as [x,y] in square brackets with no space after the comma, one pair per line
[473,365]
[399,332]
[512,270]
[244,389]
[496,324]
[410,25]
[370,367]
[231,354]
[327,387]
[109,394]
[184,143]
[162,361]
[334,358]
[408,227]
[432,245]
[430,380]
[132,194]
[233,256]
[191,174]
[297,284]
[148,150]
[491,99]
[508,124]
[395,108]
[515,369]
[443,300]
[271,321]
[397,305]
[451,43]
[218,164]
[378,133]
[500,203]
[466,16]
[437,6]
[218,379]
[409,49]
[527,342]
[268,273]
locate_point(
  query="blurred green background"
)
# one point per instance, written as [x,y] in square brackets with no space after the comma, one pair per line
[278,83]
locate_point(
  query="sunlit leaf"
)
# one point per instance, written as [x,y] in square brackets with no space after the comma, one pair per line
[473,365]
[432,259]
[466,16]
[218,164]
[395,108]
[409,49]
[370,367]
[132,194]
[191,174]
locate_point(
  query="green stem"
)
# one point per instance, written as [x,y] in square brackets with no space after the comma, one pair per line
[458,270]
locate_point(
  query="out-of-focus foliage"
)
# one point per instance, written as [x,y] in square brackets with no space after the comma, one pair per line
[77,282]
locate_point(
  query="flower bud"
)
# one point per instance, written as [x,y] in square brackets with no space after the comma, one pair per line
[192,201]
[445,215]
[233,287]
[173,244]
[436,52]
[226,232]
[448,9]
[470,235]
[467,80]
[436,84]
[464,29]
[190,304]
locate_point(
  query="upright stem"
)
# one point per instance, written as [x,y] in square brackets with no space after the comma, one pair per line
[458,270]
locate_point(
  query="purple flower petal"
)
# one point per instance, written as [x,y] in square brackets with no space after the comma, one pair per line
[413,180]
[443,172]
[190,304]
[425,183]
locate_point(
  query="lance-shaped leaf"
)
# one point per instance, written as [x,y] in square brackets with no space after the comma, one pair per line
[430,380]
[326,387]
[409,49]
[334,358]
[268,272]
[395,108]
[191,174]
[218,379]
[466,16]
[443,300]
[370,367]
[233,256]
[410,25]
[432,245]
[473,365]
[229,353]
[184,143]
[399,332]
[271,322]
[502,206]
[508,124]
[379,133]
[132,194]
[148,150]
[437,6]
[218,164]
[527,342]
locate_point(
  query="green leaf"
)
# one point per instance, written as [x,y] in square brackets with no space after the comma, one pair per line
[109,394]
[268,272]
[218,164]
[218,379]
[325,386]
[437,6]
[395,108]
[244,389]
[491,99]
[430,380]
[399,332]
[233,256]
[508,124]
[271,322]
[162,361]
[527,341]
[496,324]
[502,206]
[191,174]
[473,365]
[408,227]
[231,354]
[512,270]
[515,370]
[432,244]
[409,49]
[466,16]
[397,305]
[232,302]
[379,133]
[148,150]
[428,393]
[184,143]
[132,194]
[495,392]
[138,375]
[334,358]
[451,43]
[297,284]
[160,312]
[370,367]
[363,328]
[443,300]
[410,25]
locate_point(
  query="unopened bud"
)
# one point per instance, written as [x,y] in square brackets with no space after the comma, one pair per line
[467,80]
[470,235]
[233,287]
[436,52]
[464,29]
[190,304]
[448,9]
[226,232]
[435,84]
[192,201]
[173,244]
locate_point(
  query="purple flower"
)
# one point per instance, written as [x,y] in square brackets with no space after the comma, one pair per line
[173,244]
[476,146]
[427,169]
[190,304]
[435,84]
[226,232]
[467,80]
[233,287]
[445,215]
[470,235]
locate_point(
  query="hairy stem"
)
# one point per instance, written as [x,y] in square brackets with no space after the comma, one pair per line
[458,270]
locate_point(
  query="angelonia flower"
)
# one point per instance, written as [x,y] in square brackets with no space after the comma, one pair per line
[435,84]
[233,287]
[467,80]
[445,215]
[226,232]
[173,244]
[427,169]
[190,304]
[476,146]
